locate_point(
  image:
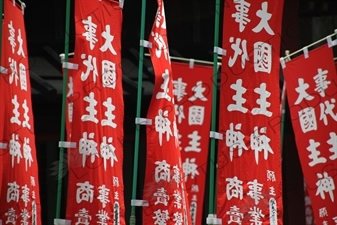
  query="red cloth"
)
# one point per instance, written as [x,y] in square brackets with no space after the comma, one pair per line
[249,183]
[311,90]
[95,186]
[20,198]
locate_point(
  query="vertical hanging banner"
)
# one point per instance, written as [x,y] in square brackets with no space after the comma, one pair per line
[312,93]
[95,185]
[192,90]
[164,187]
[249,186]
[20,197]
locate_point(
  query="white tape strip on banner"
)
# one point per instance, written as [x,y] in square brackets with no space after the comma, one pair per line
[70,66]
[121,4]
[145,44]
[331,42]
[66,144]
[220,51]
[3,70]
[215,135]
[62,222]
[211,219]
[137,202]
[143,121]
[305,52]
[3,145]
[191,63]
[283,63]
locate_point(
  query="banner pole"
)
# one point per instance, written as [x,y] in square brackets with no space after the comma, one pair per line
[139,100]
[214,110]
[64,94]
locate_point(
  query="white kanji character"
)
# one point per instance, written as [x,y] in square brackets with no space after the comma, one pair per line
[323,212]
[20,40]
[117,213]
[327,109]
[196,115]
[108,113]
[179,110]
[161,217]
[11,216]
[116,195]
[301,90]
[108,151]
[16,113]
[238,51]
[23,77]
[27,153]
[262,57]
[321,82]
[14,149]
[333,142]
[271,176]
[194,143]
[115,181]
[235,216]
[25,195]
[165,87]
[179,88]
[190,168]
[161,46]
[234,188]
[162,171]
[177,199]
[13,192]
[109,74]
[25,122]
[24,217]
[314,153]
[11,37]
[91,65]
[255,191]
[195,188]
[256,215]
[88,147]
[308,120]
[265,17]
[176,175]
[162,124]
[239,100]
[161,16]
[198,90]
[325,183]
[90,109]
[235,139]
[260,143]
[14,75]
[241,14]
[103,196]
[108,40]
[262,101]
[83,217]
[84,192]
[272,191]
[102,217]
[178,218]
[161,196]
[90,33]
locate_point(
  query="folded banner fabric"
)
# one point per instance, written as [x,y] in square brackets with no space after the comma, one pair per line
[164,187]
[96,108]
[249,183]
[20,196]
[311,89]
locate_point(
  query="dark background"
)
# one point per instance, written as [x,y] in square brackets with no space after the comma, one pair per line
[190,25]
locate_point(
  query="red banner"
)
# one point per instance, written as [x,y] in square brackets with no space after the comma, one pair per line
[249,185]
[164,188]
[20,197]
[95,186]
[311,89]
[192,90]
